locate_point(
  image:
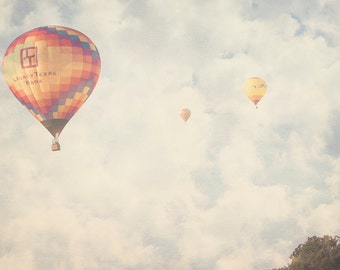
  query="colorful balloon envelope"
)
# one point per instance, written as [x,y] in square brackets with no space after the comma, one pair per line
[52,70]
[255,88]
[185,114]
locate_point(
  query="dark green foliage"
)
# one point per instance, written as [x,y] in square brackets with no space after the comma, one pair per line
[317,253]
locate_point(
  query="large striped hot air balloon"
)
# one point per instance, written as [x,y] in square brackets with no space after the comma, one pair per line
[255,88]
[52,70]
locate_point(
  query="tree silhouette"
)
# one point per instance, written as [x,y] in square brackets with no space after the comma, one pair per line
[317,253]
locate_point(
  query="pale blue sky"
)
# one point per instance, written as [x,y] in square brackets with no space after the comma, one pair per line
[133,186]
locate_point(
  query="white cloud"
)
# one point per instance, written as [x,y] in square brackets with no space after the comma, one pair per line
[134,187]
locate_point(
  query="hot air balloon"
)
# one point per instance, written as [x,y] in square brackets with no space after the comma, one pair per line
[255,88]
[52,70]
[185,114]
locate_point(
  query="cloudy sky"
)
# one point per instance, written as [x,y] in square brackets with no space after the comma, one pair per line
[134,187]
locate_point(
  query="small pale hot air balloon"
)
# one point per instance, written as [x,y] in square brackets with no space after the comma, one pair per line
[255,88]
[52,70]
[185,114]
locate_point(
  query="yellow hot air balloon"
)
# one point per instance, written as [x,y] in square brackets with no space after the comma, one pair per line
[52,70]
[185,114]
[255,88]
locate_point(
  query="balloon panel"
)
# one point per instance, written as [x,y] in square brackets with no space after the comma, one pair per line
[52,70]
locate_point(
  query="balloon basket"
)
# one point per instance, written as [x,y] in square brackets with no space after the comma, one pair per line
[55,145]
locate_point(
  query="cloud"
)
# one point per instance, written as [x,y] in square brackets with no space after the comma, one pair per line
[134,187]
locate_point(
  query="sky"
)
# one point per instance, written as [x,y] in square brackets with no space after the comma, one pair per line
[134,187]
